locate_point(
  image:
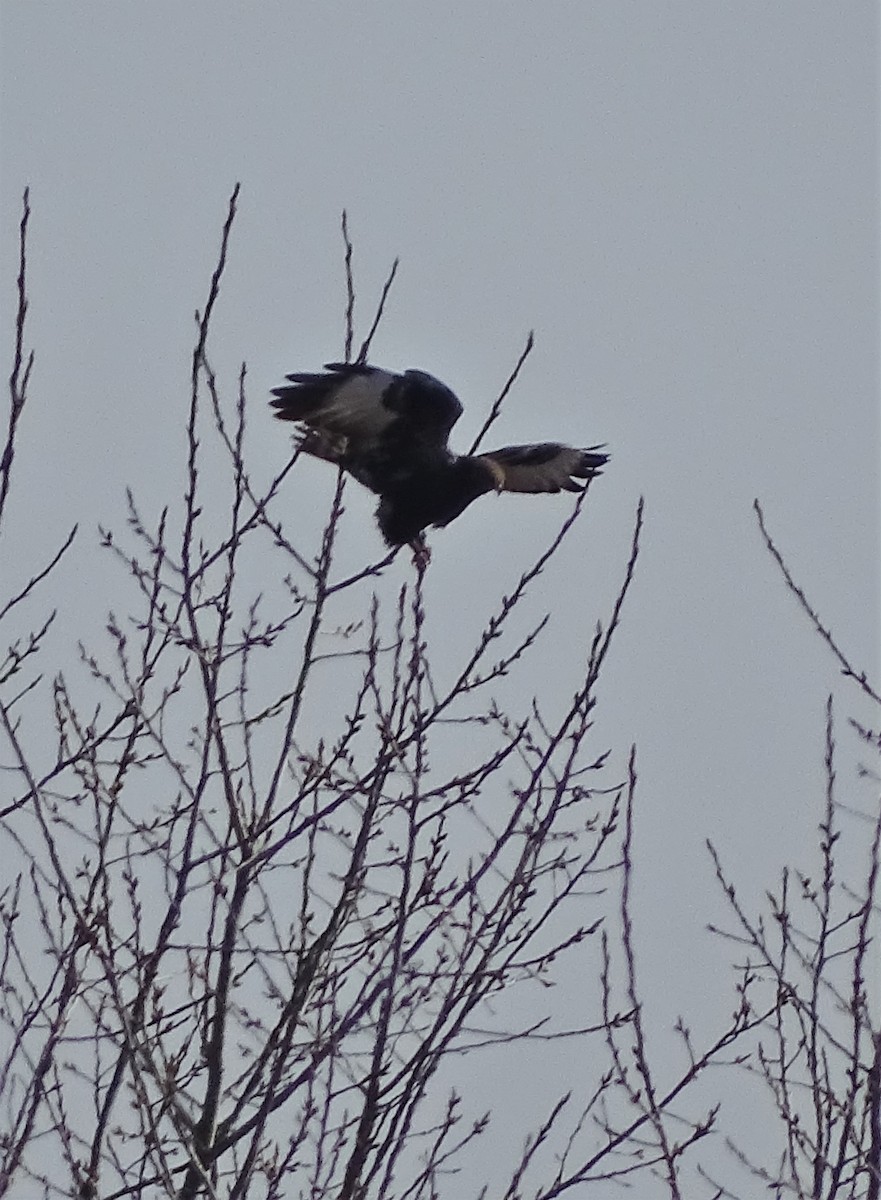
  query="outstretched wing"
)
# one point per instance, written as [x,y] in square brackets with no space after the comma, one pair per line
[548,467]
[348,401]
[368,406]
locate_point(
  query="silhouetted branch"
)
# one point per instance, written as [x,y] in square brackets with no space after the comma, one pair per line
[821,629]
[496,408]
[278,866]
[350,290]
[21,365]
[380,312]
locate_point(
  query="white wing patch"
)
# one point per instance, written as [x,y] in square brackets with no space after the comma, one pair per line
[355,408]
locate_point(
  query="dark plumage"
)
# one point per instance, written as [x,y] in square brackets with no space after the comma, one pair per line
[390,432]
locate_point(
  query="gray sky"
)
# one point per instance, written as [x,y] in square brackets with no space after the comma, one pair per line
[680,198]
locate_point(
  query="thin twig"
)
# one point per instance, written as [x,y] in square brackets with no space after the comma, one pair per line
[350,289]
[21,370]
[496,408]
[798,592]
[380,309]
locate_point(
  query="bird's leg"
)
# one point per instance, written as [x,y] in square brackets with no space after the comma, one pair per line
[421,553]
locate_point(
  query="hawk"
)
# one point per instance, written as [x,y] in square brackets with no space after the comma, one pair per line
[390,432]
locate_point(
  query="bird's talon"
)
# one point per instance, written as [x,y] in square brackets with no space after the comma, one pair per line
[421,554]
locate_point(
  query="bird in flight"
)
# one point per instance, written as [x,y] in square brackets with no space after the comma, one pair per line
[390,432]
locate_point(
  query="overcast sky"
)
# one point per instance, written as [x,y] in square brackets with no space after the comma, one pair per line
[681,199]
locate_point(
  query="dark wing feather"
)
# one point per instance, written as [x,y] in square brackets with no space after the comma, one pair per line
[548,467]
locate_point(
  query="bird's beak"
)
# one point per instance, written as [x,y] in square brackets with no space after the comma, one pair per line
[498,474]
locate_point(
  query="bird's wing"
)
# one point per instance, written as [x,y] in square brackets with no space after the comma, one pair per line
[548,467]
[349,400]
[362,403]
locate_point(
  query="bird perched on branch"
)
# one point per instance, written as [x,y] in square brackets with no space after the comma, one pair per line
[390,432]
